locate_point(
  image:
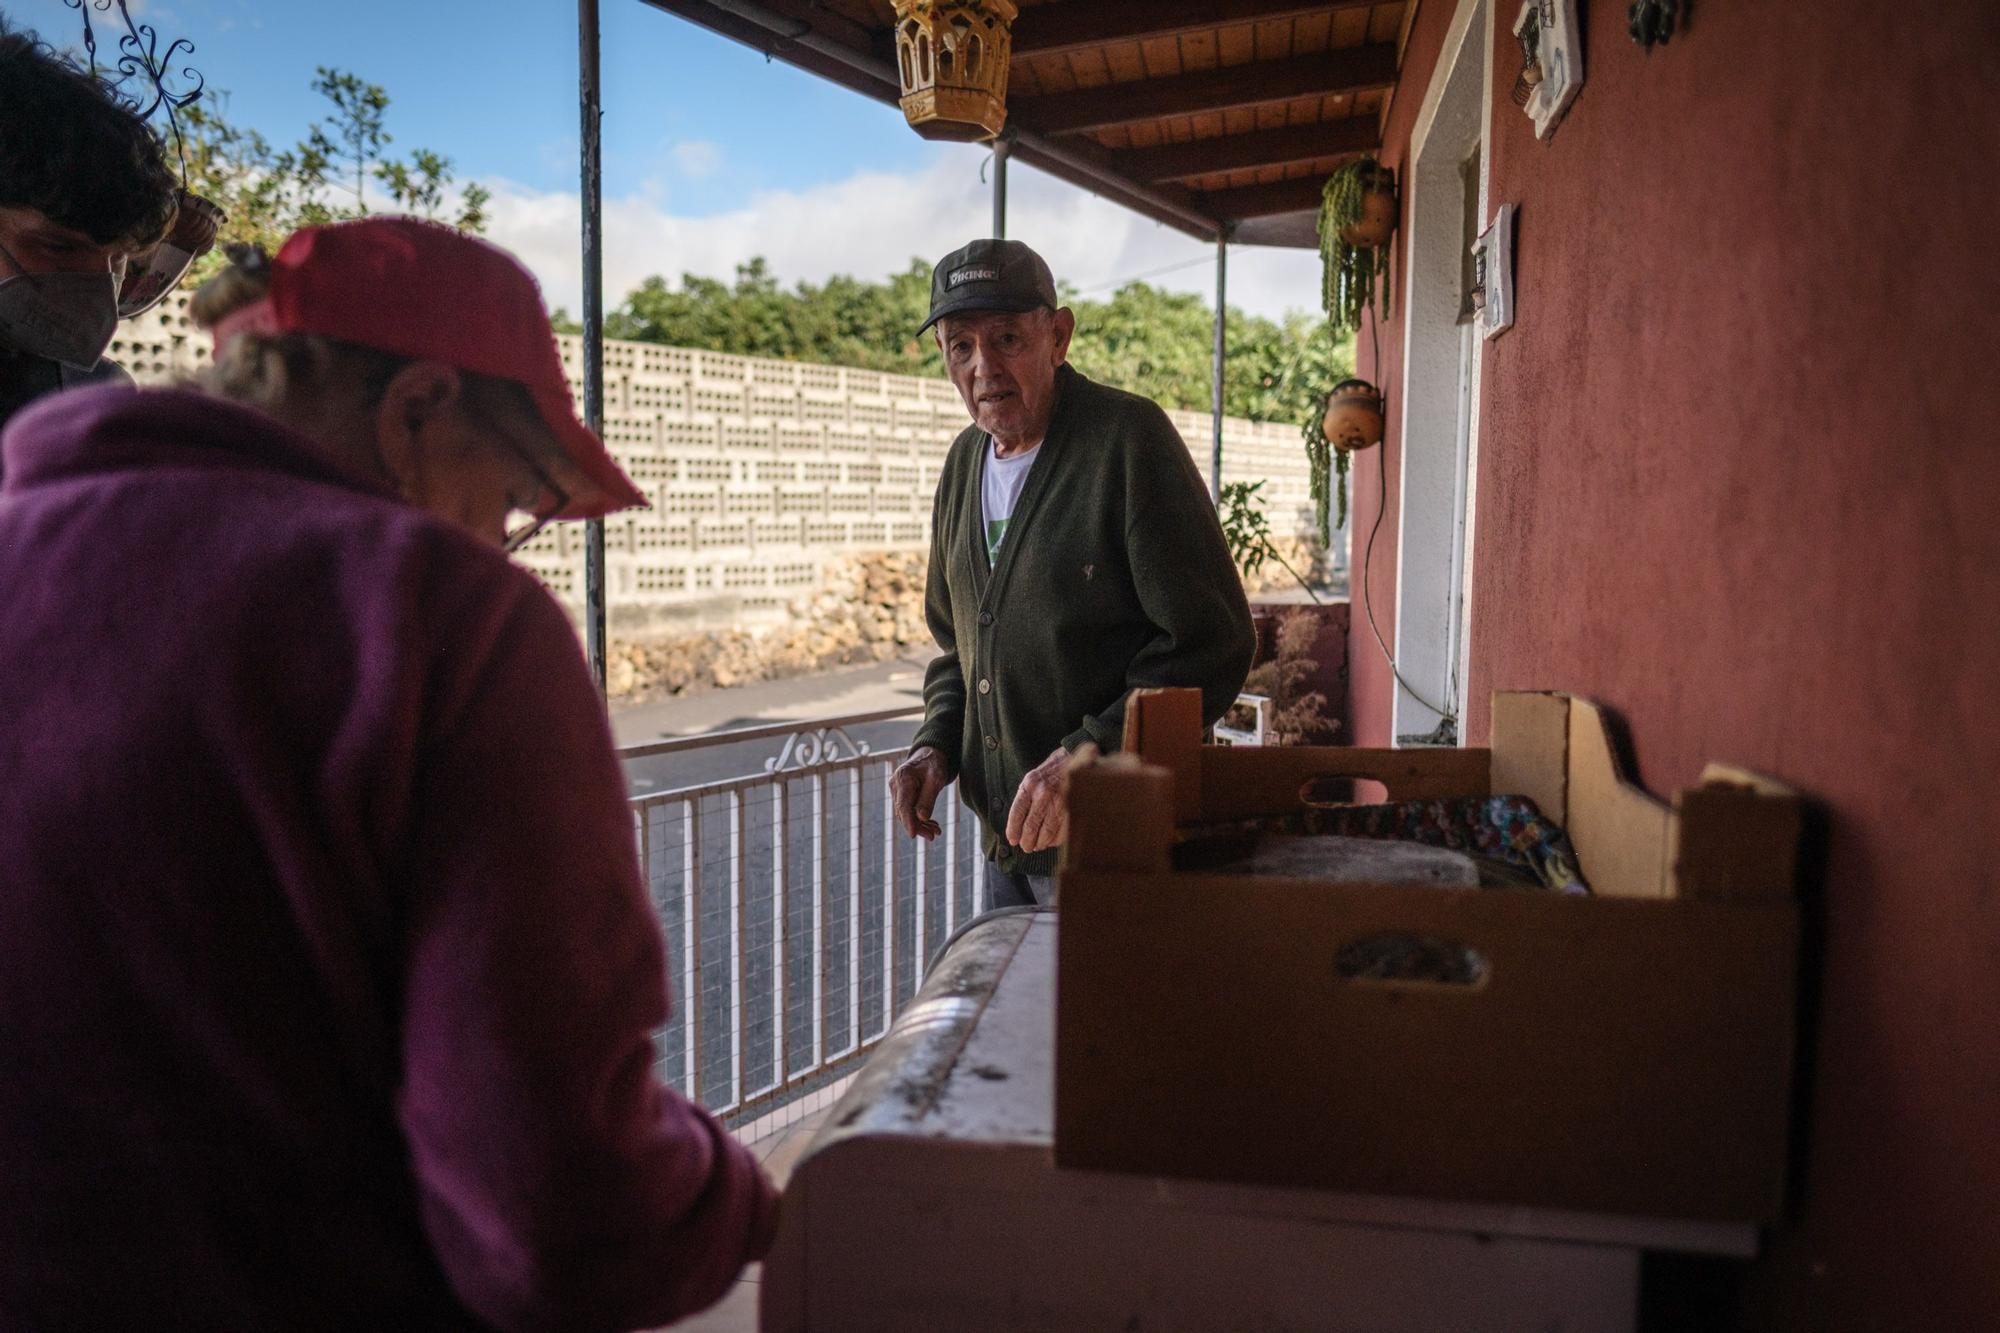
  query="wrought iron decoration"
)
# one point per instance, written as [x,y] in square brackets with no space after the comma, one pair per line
[140,57]
[811,748]
[154,271]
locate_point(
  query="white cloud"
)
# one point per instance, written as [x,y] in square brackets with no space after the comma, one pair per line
[696,157]
[871,223]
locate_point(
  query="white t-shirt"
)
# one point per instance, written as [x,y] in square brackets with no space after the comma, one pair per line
[1000,486]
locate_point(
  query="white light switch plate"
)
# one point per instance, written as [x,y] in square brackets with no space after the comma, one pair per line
[1495,253]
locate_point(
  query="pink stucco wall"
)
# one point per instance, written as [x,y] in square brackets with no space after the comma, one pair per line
[1738,480]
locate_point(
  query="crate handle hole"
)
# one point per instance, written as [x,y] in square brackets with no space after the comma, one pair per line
[1405,957]
[1334,791]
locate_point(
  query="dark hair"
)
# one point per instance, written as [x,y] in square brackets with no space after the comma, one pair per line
[70,151]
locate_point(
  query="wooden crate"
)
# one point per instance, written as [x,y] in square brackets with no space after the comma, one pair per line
[1625,1052]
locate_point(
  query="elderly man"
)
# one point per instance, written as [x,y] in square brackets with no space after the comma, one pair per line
[1075,557]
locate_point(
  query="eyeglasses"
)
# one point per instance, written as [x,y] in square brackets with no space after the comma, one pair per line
[549,502]
[148,276]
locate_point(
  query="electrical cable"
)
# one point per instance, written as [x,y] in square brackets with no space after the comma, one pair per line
[1141,277]
[1368,552]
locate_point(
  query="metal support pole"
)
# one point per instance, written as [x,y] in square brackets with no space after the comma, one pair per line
[1001,151]
[1221,357]
[593,321]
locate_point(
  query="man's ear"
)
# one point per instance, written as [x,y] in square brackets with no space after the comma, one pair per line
[1063,322]
[416,399]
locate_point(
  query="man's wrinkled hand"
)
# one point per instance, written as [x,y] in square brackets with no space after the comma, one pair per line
[1039,819]
[914,788]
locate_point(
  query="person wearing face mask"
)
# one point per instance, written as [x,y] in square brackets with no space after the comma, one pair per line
[84,187]
[328,968]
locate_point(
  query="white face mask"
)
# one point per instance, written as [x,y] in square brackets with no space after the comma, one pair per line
[66,317]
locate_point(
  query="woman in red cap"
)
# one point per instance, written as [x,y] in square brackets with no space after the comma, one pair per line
[328,970]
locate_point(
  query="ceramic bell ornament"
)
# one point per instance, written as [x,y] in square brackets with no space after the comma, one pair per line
[1353,417]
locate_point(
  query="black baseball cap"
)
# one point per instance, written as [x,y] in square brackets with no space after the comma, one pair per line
[990,275]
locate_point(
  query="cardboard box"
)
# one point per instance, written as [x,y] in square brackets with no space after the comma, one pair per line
[1628,1052]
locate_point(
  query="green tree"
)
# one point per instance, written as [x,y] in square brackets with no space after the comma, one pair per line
[237,170]
[360,111]
[845,320]
[269,193]
[1151,342]
[1161,344]
[1143,339]
[419,186]
[1286,374]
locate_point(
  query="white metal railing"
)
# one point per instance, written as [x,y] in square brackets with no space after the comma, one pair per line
[797,916]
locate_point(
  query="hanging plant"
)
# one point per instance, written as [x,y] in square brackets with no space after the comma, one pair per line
[1357,216]
[1328,468]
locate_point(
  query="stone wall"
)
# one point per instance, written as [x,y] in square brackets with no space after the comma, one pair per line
[870,609]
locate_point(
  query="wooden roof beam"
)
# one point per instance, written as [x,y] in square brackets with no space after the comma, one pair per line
[1053,29]
[1256,201]
[790,30]
[1261,148]
[1330,73]
[1290,230]
[834,49]
[1088,165]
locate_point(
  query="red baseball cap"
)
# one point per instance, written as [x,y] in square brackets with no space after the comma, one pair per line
[421,289]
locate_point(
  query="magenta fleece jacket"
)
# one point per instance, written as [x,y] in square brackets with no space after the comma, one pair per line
[326,971]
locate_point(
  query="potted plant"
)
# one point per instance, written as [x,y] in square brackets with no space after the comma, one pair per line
[1357,216]
[1299,392]
[1328,468]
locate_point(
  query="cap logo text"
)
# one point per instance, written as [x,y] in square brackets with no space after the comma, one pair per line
[963,275]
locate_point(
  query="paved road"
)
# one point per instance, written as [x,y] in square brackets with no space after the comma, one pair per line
[868,689]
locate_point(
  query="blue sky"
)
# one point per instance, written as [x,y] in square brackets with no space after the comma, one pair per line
[711,153]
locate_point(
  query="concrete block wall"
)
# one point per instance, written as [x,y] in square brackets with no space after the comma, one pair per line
[759,471]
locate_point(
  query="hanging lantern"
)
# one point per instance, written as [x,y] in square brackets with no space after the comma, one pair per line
[952,56]
[1353,417]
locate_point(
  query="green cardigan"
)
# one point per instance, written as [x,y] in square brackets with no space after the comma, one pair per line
[1113,575]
